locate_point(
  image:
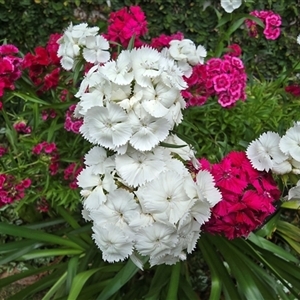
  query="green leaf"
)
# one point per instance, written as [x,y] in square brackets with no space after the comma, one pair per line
[159,280]
[79,281]
[55,287]
[17,254]
[220,278]
[72,271]
[174,282]
[31,98]
[50,252]
[36,235]
[123,276]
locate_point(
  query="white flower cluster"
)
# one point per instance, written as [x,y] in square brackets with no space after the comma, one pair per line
[139,195]
[280,155]
[82,38]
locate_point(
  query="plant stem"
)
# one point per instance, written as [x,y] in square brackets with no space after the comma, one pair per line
[174,282]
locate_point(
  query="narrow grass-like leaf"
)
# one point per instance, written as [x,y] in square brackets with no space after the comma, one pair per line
[219,275]
[19,253]
[31,98]
[289,230]
[123,276]
[13,246]
[79,281]
[24,232]
[242,269]
[273,248]
[159,280]
[174,282]
[188,292]
[50,252]
[38,286]
[55,287]
[72,270]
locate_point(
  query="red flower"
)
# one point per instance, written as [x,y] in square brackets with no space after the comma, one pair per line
[293,89]
[247,196]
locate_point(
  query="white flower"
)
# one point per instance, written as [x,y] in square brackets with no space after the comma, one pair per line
[294,192]
[156,240]
[94,78]
[264,151]
[145,64]
[120,71]
[149,132]
[165,195]
[119,209]
[96,50]
[136,167]
[106,126]
[290,142]
[97,159]
[115,243]
[171,75]
[185,51]
[298,39]
[206,187]
[230,5]
[185,152]
[81,31]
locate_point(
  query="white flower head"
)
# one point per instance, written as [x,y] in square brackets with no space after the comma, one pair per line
[165,195]
[294,192]
[264,151]
[119,72]
[230,5]
[107,126]
[137,168]
[96,50]
[97,159]
[145,64]
[290,142]
[156,240]
[115,243]
[298,39]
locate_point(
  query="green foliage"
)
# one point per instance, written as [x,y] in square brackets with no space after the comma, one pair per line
[208,25]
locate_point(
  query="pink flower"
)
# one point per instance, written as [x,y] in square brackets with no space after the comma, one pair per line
[271,20]
[221,82]
[21,127]
[234,50]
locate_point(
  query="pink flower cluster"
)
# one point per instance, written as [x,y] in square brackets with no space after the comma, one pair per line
[51,150]
[44,65]
[11,189]
[71,173]
[10,67]
[126,23]
[223,77]
[21,127]
[271,20]
[248,196]
[71,123]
